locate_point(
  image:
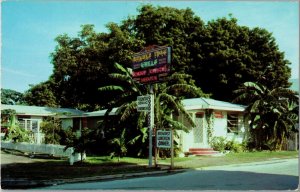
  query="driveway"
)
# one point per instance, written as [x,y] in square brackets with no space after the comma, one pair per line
[16,157]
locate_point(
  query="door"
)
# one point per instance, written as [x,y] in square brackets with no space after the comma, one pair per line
[200,138]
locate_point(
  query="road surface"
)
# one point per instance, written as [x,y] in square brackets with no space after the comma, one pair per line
[269,175]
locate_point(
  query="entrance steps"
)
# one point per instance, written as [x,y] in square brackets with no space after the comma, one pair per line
[202,151]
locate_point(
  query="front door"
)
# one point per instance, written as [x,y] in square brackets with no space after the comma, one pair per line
[199,132]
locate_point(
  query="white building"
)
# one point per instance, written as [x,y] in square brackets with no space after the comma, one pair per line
[213,118]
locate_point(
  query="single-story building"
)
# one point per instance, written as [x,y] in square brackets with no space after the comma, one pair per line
[213,118]
[30,117]
[227,120]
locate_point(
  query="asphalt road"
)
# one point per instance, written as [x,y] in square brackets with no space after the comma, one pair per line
[269,175]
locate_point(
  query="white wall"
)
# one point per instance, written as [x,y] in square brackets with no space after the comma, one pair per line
[220,125]
[186,140]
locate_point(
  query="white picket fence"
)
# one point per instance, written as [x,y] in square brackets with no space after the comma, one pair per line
[55,150]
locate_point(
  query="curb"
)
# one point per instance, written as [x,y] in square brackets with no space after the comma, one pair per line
[112,177]
[26,184]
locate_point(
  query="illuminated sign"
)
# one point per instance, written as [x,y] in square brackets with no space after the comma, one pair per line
[151,66]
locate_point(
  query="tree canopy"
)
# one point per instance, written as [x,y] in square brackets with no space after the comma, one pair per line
[220,55]
[11,97]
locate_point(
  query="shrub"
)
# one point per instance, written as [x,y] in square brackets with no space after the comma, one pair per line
[234,146]
[218,143]
[52,130]
[221,144]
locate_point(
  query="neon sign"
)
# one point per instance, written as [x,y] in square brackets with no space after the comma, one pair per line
[151,66]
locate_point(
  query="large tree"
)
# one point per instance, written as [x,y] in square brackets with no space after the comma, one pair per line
[226,55]
[81,64]
[220,55]
[169,26]
[41,95]
[12,97]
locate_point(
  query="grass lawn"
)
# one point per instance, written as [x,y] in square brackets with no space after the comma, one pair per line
[96,166]
[231,158]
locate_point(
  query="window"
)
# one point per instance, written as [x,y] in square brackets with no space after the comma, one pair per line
[232,123]
[29,124]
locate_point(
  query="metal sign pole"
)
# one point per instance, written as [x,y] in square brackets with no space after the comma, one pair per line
[151,123]
[172,149]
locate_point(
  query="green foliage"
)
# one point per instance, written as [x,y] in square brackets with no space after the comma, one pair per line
[226,55]
[52,129]
[220,55]
[234,146]
[169,26]
[218,143]
[79,140]
[273,114]
[209,117]
[14,132]
[167,100]
[41,95]
[221,144]
[120,144]
[11,97]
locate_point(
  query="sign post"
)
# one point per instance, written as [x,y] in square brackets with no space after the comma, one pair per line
[146,104]
[165,139]
[151,124]
[151,65]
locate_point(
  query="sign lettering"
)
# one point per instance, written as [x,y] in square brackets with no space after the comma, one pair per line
[149,65]
[163,139]
[143,103]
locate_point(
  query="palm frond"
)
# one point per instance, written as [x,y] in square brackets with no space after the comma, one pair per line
[144,132]
[120,77]
[187,116]
[132,141]
[254,106]
[175,124]
[111,88]
[122,69]
[129,109]
[142,119]
[184,88]
[168,100]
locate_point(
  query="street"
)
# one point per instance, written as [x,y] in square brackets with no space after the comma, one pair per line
[269,175]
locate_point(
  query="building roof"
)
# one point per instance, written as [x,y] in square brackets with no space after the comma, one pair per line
[100,113]
[206,103]
[189,104]
[41,111]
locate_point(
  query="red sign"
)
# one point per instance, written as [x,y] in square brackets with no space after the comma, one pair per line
[151,66]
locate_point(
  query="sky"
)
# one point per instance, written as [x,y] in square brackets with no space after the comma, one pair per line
[29,29]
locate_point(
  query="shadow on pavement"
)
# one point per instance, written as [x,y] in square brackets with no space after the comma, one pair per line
[193,180]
